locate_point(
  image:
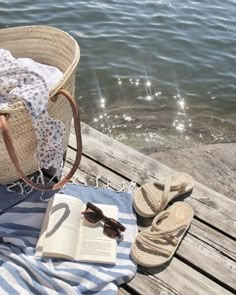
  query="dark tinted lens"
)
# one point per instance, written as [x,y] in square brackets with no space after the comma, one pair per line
[111,231]
[92,213]
[112,227]
[92,217]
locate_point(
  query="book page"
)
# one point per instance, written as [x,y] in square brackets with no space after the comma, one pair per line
[93,244]
[63,226]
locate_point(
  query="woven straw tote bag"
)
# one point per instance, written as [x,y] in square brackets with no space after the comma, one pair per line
[18,141]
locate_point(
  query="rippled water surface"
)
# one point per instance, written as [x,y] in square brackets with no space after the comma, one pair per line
[153,74]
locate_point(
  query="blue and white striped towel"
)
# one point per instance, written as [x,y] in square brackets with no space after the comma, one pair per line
[23,273]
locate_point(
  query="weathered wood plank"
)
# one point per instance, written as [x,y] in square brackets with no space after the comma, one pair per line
[183,279]
[140,168]
[145,283]
[209,260]
[214,263]
[90,169]
[122,291]
[215,239]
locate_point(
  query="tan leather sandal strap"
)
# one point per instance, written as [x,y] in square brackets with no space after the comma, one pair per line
[12,153]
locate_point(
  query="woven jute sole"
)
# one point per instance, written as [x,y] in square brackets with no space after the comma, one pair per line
[142,197]
[148,255]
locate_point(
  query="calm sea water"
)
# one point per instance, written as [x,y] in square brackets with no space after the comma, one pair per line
[153,74]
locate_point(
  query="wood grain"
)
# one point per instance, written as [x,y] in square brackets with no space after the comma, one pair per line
[209,206]
[204,248]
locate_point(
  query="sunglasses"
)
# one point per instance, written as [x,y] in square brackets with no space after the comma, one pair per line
[112,227]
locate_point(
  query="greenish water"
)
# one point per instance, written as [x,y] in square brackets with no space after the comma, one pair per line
[153,74]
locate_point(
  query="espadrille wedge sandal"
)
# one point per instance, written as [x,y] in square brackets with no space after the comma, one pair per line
[153,197]
[157,244]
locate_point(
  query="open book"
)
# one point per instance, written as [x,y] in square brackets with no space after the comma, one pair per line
[66,234]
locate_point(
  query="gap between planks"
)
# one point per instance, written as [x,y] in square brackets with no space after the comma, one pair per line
[209,206]
[210,257]
[177,278]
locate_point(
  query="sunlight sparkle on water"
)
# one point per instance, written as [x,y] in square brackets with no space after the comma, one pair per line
[128,118]
[181,103]
[180,127]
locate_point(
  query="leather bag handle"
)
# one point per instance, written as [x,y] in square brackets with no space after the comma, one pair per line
[12,153]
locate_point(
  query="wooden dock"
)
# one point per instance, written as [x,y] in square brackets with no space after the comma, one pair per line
[205,262]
